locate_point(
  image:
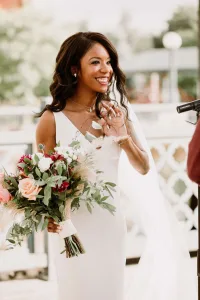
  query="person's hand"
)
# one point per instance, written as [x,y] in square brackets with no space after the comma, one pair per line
[112,119]
[53,227]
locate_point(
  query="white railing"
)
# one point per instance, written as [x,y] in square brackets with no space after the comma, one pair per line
[168,136]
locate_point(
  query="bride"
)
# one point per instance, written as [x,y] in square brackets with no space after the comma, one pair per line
[86,75]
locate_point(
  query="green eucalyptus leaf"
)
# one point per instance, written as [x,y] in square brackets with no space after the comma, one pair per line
[59,169]
[11,241]
[27,160]
[36,158]
[61,208]
[111,184]
[40,182]
[106,188]
[45,176]
[89,207]
[45,223]
[74,144]
[47,195]
[39,196]
[104,198]
[37,171]
[13,181]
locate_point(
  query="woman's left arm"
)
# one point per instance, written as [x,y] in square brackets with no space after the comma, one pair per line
[137,156]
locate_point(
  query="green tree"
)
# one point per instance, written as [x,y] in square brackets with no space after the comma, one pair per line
[184,22]
[187,81]
[9,63]
[8,76]
[29,42]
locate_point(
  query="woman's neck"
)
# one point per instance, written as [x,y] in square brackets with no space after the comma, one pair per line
[85,97]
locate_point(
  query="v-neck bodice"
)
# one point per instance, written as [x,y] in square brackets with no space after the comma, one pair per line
[106,151]
[75,127]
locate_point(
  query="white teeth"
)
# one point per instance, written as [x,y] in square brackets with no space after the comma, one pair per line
[102,80]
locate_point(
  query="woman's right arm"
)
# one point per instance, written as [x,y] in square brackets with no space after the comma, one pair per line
[46,135]
[46,131]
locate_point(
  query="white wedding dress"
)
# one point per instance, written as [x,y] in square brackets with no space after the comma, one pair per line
[164,271]
[99,273]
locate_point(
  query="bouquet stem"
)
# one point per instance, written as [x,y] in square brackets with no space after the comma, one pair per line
[73,246]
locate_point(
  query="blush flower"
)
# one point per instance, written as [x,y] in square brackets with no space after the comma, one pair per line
[5,196]
[28,188]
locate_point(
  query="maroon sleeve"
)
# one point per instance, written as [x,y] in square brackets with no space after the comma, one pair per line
[193,161]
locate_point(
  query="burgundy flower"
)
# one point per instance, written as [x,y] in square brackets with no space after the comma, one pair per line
[62,188]
[21,160]
[56,157]
[24,156]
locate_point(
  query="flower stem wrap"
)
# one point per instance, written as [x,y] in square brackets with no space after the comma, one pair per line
[73,246]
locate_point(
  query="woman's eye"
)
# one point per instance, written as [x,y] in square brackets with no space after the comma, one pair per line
[95,62]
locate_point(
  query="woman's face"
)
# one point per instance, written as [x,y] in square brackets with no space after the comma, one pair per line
[95,69]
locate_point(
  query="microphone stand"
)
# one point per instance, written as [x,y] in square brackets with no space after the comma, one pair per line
[198,251]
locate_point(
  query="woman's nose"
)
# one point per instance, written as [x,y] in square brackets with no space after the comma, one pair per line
[105,68]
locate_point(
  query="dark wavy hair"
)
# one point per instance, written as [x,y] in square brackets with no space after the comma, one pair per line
[70,54]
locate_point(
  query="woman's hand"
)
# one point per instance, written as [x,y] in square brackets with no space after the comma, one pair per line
[113,120]
[53,227]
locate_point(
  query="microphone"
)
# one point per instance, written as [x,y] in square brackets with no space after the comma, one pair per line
[193,105]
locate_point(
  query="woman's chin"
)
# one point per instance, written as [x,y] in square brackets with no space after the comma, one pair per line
[102,89]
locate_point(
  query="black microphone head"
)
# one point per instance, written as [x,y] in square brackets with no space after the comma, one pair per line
[184,107]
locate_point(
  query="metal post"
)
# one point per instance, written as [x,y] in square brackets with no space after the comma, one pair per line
[173,77]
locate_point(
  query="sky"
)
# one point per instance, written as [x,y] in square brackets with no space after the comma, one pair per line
[148,16]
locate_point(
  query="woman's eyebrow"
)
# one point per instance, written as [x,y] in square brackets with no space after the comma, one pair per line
[97,57]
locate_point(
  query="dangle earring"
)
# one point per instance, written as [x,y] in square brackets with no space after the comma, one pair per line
[75,75]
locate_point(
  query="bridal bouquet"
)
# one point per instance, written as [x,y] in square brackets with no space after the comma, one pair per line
[50,186]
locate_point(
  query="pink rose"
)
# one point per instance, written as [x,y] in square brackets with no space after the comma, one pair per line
[5,196]
[28,189]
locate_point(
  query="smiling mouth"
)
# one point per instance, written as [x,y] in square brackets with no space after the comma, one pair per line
[103,80]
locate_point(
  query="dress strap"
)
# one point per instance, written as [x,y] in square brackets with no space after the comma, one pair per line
[64,131]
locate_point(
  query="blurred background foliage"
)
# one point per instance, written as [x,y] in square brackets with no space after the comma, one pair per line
[184,22]
[30,41]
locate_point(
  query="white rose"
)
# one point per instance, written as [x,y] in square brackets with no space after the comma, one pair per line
[44,163]
[74,157]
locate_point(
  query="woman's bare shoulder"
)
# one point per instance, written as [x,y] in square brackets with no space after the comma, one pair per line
[46,131]
[46,124]
[47,116]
